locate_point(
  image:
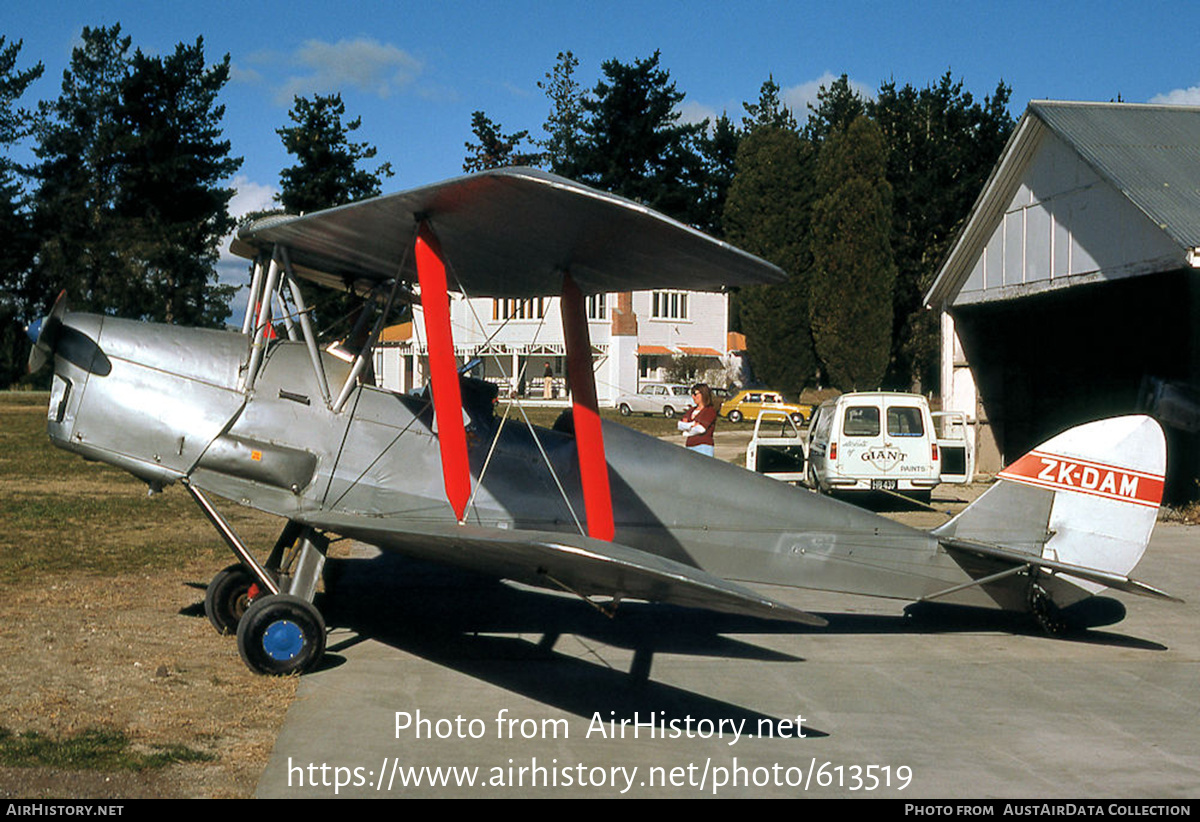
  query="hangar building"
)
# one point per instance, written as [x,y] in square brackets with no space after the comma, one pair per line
[1072,292]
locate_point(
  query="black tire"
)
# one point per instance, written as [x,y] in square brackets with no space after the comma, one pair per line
[1046,613]
[735,416]
[281,634]
[668,412]
[799,419]
[228,597]
[625,410]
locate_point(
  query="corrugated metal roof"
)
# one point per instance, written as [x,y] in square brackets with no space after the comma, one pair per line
[1150,153]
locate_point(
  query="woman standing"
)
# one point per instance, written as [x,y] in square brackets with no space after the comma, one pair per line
[700,421]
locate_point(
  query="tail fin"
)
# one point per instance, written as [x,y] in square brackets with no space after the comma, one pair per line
[1087,498]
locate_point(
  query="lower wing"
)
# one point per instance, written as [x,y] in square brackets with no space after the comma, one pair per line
[568,561]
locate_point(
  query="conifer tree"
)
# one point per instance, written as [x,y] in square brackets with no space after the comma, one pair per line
[327,172]
[17,242]
[129,206]
[767,213]
[853,268]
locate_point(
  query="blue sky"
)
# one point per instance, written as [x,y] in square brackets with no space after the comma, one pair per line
[414,71]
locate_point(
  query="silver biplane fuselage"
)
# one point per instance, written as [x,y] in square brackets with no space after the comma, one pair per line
[165,405]
[291,430]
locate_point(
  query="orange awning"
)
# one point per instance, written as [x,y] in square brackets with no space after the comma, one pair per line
[396,333]
[699,352]
[655,350]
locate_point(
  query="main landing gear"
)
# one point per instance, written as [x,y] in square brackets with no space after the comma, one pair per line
[281,634]
[269,607]
[228,596]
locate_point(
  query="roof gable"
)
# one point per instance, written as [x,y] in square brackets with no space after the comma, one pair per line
[1123,199]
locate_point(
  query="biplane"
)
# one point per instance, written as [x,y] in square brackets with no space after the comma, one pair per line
[281,424]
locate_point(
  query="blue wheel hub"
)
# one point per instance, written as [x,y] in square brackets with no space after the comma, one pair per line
[283,640]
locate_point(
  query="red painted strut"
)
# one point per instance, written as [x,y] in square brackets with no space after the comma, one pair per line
[443,370]
[589,439]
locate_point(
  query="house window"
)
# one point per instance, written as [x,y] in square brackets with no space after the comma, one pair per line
[596,307]
[669,305]
[532,309]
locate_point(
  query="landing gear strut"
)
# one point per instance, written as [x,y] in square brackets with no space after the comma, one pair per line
[279,630]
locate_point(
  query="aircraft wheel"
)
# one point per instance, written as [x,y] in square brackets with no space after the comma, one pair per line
[668,412]
[228,596]
[735,416]
[1046,613]
[281,634]
[625,410]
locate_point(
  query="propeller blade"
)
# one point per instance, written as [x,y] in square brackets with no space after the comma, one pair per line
[44,334]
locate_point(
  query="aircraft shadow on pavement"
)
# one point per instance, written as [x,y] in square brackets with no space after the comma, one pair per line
[475,625]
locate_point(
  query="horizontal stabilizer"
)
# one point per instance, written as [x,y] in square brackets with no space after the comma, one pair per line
[570,561]
[1118,582]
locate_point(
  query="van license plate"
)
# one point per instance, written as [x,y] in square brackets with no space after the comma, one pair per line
[883,485]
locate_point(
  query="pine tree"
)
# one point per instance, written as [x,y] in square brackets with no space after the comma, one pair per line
[75,203]
[495,149]
[633,143]
[564,126]
[327,171]
[16,232]
[942,146]
[129,209]
[170,201]
[767,213]
[718,151]
[769,110]
[853,268]
[837,107]
[327,174]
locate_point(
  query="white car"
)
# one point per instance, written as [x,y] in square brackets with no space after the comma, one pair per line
[668,399]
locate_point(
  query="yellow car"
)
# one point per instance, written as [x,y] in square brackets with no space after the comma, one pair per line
[747,405]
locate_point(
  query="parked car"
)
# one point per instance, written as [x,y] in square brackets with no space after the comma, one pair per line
[884,441]
[668,399]
[748,403]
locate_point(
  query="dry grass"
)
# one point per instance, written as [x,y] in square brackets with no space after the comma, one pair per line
[102,628]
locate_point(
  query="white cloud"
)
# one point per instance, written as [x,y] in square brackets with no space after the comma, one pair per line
[692,112]
[798,98]
[239,74]
[1179,97]
[363,64]
[249,196]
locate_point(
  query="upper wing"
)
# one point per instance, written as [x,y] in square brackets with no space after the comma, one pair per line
[508,232]
[570,561]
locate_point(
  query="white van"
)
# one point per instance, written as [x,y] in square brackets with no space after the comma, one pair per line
[884,441]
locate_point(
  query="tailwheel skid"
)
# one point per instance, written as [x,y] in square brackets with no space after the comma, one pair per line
[281,634]
[1046,612]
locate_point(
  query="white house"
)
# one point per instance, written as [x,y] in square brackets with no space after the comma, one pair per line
[634,335]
